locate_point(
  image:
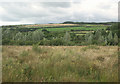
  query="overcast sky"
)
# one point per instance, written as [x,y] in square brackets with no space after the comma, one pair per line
[58,12]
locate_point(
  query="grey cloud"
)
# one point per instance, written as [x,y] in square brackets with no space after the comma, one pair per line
[92,17]
[49,12]
[10,18]
[104,6]
[19,11]
[119,11]
[56,4]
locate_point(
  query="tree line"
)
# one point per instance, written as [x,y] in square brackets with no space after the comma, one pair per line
[98,37]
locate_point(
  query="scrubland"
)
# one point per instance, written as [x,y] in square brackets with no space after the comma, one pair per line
[60,63]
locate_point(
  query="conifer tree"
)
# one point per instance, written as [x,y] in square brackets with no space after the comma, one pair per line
[67,37]
[37,35]
[115,39]
[97,34]
[90,38]
[18,36]
[106,41]
[101,40]
[110,38]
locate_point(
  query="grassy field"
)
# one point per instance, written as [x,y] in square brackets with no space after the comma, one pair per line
[60,63]
[77,29]
[73,28]
[49,25]
[62,27]
[57,25]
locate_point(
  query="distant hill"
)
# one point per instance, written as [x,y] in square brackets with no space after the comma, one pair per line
[104,23]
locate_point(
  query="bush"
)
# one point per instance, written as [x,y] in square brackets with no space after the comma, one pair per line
[110,38]
[115,28]
[90,47]
[37,35]
[23,56]
[56,42]
[115,39]
[24,53]
[36,48]
[67,37]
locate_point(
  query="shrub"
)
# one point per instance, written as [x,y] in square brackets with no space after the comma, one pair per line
[24,53]
[36,48]
[37,35]
[90,47]
[115,28]
[89,38]
[23,56]
[67,37]
[101,40]
[28,71]
[115,39]
[110,37]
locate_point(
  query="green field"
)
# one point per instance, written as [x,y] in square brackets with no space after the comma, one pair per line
[58,27]
[73,28]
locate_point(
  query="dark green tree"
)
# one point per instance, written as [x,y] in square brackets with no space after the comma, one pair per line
[115,39]
[37,35]
[67,37]
[110,38]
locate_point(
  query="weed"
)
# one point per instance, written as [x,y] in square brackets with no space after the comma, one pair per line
[36,48]
[100,59]
[23,56]
[27,71]
[51,65]
[24,53]
[90,47]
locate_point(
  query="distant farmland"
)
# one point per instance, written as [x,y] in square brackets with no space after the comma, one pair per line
[50,25]
[60,28]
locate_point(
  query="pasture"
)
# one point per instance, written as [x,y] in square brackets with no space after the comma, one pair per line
[73,28]
[77,29]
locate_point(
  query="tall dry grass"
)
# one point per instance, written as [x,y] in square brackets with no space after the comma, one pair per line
[60,64]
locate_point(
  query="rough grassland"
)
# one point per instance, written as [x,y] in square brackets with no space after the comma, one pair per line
[50,25]
[60,63]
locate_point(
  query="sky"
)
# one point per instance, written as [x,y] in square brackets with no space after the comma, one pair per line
[52,11]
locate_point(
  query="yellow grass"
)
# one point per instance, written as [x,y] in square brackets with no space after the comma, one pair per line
[60,63]
[49,25]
